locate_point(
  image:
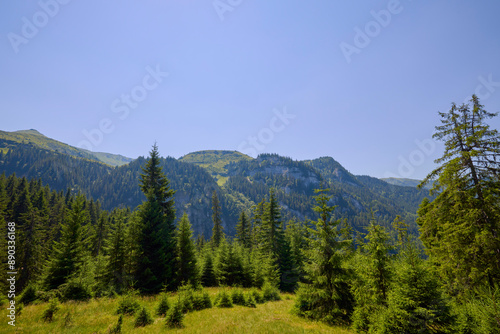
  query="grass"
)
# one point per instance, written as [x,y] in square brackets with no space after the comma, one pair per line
[98,315]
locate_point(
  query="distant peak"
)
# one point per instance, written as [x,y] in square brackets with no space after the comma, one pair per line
[31,132]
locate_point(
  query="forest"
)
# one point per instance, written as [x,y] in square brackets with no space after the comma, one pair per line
[357,272]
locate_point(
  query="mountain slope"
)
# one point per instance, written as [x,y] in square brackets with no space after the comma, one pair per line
[10,140]
[215,162]
[240,182]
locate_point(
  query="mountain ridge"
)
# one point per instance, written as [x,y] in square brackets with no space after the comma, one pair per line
[239,180]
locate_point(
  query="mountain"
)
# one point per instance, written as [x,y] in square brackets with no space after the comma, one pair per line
[11,140]
[403,182]
[215,162]
[239,181]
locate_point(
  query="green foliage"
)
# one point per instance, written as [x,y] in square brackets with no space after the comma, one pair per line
[217,230]
[29,295]
[326,296]
[67,255]
[243,231]
[249,300]
[143,318]
[175,316]
[415,303]
[374,273]
[163,305]
[156,255]
[257,296]
[460,227]
[50,311]
[187,270]
[223,299]
[270,292]
[207,276]
[128,304]
[237,297]
[75,290]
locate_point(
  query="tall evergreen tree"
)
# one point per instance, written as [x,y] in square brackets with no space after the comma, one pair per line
[415,303]
[207,275]
[187,270]
[243,230]
[217,230]
[374,273]
[258,216]
[67,255]
[156,233]
[461,227]
[116,249]
[326,296]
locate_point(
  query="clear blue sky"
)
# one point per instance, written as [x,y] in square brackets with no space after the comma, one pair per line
[362,98]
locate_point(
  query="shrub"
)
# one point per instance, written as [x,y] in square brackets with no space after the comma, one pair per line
[237,297]
[270,292]
[163,305]
[143,318]
[128,304]
[259,299]
[74,290]
[250,300]
[201,301]
[223,299]
[48,314]
[29,295]
[175,316]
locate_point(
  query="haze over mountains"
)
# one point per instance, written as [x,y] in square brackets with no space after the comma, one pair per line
[239,180]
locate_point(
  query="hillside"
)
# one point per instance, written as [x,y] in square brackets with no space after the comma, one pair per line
[240,182]
[10,140]
[215,162]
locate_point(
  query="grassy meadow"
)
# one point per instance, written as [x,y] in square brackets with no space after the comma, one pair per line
[99,316]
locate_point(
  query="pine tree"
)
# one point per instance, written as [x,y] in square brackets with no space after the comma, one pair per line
[207,276]
[187,270]
[326,296]
[156,233]
[243,231]
[67,255]
[258,214]
[99,234]
[460,228]
[415,303]
[217,231]
[374,272]
[116,249]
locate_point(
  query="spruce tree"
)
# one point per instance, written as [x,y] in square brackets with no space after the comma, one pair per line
[67,255]
[155,259]
[243,231]
[374,273]
[258,215]
[217,230]
[326,296]
[461,226]
[116,249]
[207,276]
[187,270]
[415,303]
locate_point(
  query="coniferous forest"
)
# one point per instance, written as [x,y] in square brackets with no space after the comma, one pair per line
[391,268]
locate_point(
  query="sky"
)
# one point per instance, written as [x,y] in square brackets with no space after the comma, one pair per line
[360,81]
